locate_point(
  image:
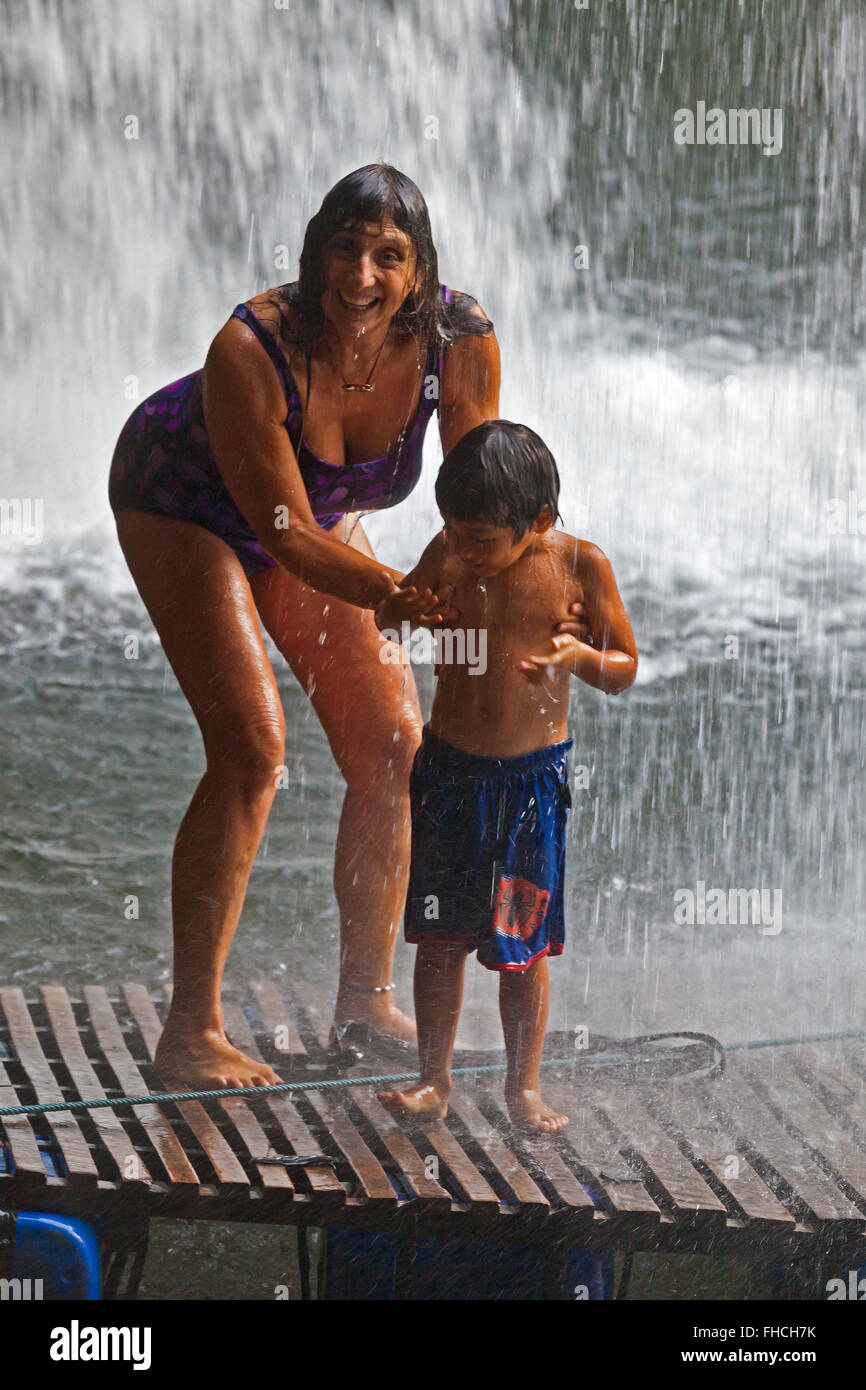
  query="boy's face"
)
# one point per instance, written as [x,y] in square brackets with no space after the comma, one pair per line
[483,550]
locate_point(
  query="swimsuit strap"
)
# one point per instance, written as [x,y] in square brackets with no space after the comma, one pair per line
[267,340]
[446,295]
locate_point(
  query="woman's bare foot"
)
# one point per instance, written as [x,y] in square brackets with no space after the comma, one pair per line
[207,1060]
[425,1099]
[528,1111]
[376,1010]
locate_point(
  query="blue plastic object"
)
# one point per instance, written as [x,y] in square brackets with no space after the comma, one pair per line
[360,1266]
[61,1251]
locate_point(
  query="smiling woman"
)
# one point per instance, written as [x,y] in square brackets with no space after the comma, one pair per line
[228,487]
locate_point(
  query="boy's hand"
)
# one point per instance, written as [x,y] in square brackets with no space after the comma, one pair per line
[563,649]
[419,608]
[576,625]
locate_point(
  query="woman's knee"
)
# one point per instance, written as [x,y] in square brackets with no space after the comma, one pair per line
[381,754]
[251,755]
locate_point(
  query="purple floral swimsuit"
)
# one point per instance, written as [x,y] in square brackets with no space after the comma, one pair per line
[163,461]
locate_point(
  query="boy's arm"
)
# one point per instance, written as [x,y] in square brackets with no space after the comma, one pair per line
[421,599]
[611,664]
[427,572]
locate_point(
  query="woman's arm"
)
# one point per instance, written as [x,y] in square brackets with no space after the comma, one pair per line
[470,395]
[244,410]
[469,386]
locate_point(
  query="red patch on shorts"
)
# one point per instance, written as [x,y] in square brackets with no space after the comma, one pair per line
[519,907]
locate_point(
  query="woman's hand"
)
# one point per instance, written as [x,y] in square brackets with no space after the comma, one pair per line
[576,625]
[419,608]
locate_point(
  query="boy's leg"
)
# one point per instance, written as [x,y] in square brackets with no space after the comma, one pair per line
[439,970]
[523,1003]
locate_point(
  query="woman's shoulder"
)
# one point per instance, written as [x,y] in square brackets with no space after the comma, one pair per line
[463,316]
[274,308]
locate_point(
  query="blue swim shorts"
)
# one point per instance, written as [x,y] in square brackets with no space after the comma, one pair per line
[488,852]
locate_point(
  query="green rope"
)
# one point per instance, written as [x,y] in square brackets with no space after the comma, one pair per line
[277,1088]
[290,1087]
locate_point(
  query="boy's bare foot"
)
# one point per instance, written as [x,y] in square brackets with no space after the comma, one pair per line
[376,1010]
[424,1099]
[528,1111]
[207,1060]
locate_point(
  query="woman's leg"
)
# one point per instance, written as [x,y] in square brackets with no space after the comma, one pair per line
[370,714]
[200,603]
[524,997]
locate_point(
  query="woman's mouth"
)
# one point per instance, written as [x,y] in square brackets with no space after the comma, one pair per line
[361,305]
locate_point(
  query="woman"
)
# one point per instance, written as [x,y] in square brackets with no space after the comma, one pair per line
[235,492]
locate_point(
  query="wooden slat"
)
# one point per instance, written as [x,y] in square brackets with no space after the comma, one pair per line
[479,1193]
[596,1151]
[831,1068]
[853,1052]
[67,1131]
[429,1193]
[220,1153]
[275,1018]
[501,1159]
[773,1151]
[690,1197]
[371,1176]
[803,1110]
[839,1078]
[16,1131]
[323,1182]
[690,1111]
[373,1181]
[444,1145]
[117,1142]
[155,1124]
[540,1154]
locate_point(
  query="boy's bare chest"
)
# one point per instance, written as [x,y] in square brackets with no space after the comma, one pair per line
[516,609]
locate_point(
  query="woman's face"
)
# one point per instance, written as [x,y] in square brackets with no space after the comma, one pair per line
[368,272]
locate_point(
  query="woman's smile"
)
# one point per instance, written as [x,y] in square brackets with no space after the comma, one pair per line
[356,305]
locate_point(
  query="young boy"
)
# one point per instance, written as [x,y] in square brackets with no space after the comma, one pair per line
[489,785]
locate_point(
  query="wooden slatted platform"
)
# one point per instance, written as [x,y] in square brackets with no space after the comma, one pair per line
[771,1156]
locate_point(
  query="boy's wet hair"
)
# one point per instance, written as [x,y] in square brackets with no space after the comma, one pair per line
[500,473]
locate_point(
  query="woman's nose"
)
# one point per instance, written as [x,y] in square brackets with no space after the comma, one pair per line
[364,272]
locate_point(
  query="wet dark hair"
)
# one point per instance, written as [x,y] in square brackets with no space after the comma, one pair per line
[500,473]
[371,194]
